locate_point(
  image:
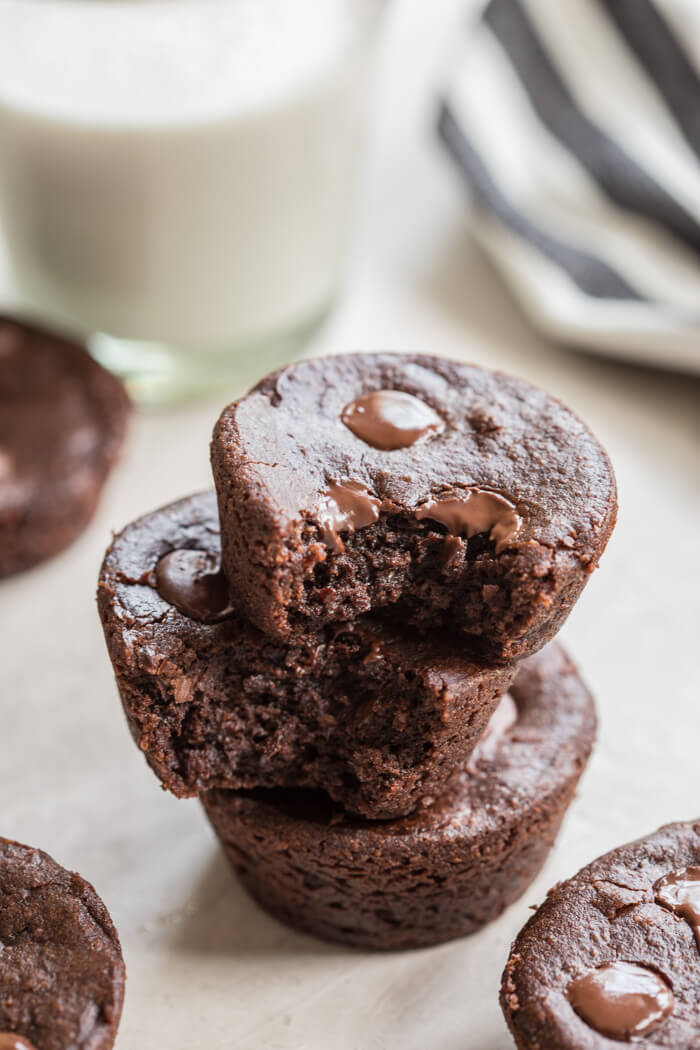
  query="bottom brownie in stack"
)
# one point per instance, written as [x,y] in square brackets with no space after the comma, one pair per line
[438,874]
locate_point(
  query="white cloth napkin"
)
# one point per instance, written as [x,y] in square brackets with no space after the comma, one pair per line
[576,126]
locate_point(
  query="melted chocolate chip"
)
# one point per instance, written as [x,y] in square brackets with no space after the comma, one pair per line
[390,419]
[679,891]
[473,512]
[621,1000]
[192,581]
[12,1041]
[346,506]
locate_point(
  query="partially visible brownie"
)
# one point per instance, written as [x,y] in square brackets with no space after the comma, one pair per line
[438,874]
[62,424]
[613,954]
[462,498]
[377,717]
[61,968]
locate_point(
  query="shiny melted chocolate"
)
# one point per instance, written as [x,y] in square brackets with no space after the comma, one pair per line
[391,419]
[192,581]
[472,512]
[621,1000]
[679,891]
[345,507]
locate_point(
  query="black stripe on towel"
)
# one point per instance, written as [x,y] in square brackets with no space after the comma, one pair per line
[664,59]
[591,274]
[618,175]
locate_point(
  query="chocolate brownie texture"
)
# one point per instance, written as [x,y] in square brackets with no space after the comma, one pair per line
[438,874]
[61,969]
[62,425]
[378,718]
[463,498]
[613,955]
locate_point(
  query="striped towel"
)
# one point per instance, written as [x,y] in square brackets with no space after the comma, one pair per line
[576,126]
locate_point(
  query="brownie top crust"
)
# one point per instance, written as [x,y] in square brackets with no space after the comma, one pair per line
[456,430]
[613,955]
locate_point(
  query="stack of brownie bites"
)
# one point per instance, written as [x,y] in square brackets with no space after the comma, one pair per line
[343,651]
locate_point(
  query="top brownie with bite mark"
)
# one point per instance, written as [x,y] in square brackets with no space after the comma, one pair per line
[465,499]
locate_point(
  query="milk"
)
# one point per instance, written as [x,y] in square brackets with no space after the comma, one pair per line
[180,170]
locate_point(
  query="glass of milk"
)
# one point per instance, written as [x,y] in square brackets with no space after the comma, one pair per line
[176,176]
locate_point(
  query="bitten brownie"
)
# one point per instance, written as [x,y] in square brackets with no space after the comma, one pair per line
[438,874]
[61,968]
[613,955]
[464,498]
[377,717]
[62,424]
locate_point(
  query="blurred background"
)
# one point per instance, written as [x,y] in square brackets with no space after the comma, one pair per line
[381,250]
[203,190]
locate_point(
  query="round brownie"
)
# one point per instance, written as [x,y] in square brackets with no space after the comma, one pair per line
[61,967]
[464,498]
[62,424]
[613,955]
[440,873]
[377,717]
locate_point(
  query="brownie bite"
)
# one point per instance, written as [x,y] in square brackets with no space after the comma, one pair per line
[61,968]
[62,425]
[377,717]
[463,498]
[438,874]
[613,955]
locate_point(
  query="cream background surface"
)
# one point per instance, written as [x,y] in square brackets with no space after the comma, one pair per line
[207,969]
